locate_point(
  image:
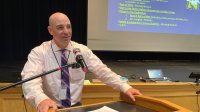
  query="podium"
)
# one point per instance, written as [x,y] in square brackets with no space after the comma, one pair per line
[125,104]
[180,93]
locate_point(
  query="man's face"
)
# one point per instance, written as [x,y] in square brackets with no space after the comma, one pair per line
[61,30]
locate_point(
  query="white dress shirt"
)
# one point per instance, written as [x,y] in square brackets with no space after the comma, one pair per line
[42,59]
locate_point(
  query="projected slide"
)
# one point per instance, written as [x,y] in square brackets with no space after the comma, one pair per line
[162,16]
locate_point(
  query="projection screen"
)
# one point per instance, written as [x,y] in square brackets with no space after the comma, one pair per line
[144,25]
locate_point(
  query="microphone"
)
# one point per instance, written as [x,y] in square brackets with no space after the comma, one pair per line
[79,59]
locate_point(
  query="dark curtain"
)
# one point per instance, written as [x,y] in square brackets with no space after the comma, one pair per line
[24,24]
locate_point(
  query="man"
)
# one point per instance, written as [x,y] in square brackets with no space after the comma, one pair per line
[49,91]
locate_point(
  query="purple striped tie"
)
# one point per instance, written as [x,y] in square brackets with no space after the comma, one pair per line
[65,79]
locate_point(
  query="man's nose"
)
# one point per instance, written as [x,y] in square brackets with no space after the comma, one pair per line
[66,30]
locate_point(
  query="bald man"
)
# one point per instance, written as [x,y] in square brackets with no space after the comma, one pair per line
[47,91]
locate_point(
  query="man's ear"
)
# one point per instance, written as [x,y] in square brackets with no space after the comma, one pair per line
[50,30]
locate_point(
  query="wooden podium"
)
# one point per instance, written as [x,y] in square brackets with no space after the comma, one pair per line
[180,93]
[125,104]
[155,104]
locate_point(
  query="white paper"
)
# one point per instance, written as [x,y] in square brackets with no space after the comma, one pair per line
[104,109]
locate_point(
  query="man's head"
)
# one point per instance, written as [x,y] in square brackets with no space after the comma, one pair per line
[60,28]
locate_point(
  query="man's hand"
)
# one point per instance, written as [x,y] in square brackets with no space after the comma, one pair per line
[130,92]
[45,105]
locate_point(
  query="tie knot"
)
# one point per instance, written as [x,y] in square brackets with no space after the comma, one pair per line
[63,51]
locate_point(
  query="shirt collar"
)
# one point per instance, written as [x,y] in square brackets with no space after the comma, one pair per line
[56,48]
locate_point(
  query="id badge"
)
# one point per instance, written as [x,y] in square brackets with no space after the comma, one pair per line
[63,93]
